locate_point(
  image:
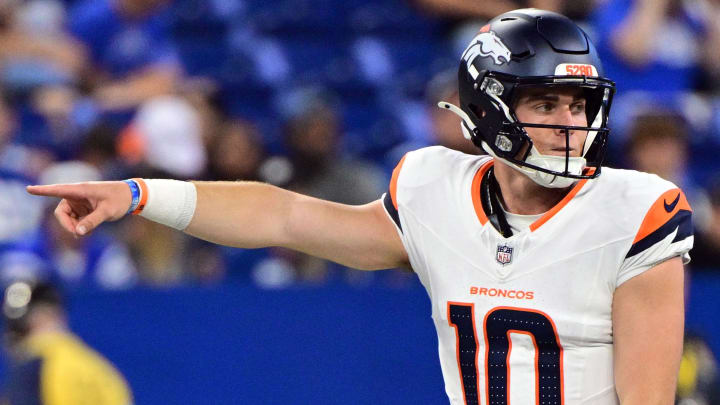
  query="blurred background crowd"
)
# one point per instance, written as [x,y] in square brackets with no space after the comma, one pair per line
[319,96]
[322,97]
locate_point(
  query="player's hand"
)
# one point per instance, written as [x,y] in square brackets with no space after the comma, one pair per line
[84,206]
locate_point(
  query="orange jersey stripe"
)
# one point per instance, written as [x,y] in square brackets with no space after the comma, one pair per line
[475,190]
[662,210]
[554,210]
[394,180]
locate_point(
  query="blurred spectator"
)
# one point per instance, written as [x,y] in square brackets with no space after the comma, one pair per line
[98,150]
[236,153]
[658,144]
[164,139]
[446,128]
[101,260]
[131,49]
[49,364]
[484,9]
[204,96]
[313,138]
[698,379]
[165,258]
[157,252]
[645,43]
[20,213]
[41,67]
[706,250]
[35,50]
[22,159]
[708,11]
[57,119]
[437,126]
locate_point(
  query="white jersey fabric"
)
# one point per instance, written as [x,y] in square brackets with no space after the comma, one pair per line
[527,319]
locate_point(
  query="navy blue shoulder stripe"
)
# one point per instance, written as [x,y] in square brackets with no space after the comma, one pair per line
[682,221]
[390,208]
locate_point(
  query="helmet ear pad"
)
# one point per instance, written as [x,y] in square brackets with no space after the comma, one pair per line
[490,115]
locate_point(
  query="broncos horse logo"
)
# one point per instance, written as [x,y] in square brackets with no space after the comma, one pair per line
[487,44]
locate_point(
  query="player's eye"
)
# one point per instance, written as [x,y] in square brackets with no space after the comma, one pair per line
[544,107]
[578,107]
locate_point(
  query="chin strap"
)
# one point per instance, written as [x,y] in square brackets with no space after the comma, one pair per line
[489,195]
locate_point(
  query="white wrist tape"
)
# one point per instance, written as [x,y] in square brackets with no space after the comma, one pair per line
[170,202]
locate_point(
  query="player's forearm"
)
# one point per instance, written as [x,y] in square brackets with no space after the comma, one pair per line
[360,237]
[650,382]
[253,215]
[241,214]
[653,383]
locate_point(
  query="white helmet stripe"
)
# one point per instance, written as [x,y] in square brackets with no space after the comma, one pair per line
[597,122]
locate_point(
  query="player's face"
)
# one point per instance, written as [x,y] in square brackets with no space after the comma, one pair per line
[558,106]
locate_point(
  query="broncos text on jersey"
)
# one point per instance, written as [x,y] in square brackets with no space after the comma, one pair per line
[527,319]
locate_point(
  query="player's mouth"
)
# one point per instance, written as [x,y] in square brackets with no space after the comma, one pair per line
[562,151]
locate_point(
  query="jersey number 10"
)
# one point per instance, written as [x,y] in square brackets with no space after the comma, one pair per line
[498,324]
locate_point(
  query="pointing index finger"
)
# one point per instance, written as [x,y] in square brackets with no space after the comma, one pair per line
[74,191]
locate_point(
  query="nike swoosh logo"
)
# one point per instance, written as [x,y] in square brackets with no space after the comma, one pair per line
[670,207]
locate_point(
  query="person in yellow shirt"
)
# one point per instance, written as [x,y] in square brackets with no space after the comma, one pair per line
[49,364]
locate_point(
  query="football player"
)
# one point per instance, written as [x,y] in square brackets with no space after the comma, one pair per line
[49,364]
[553,280]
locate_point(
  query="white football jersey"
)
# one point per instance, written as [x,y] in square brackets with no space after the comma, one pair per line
[527,319]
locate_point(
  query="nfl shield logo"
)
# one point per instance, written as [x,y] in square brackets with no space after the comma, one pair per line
[504,254]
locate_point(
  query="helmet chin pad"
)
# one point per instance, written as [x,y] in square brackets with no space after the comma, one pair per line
[575,167]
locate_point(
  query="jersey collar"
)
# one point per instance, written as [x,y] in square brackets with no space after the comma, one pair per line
[476,192]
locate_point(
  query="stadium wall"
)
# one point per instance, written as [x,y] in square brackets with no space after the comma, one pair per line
[332,345]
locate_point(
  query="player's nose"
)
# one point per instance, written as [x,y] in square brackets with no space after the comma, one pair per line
[565,117]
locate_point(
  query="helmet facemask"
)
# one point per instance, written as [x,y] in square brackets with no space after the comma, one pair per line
[489,114]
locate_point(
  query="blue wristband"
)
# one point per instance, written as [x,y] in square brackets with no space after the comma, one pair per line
[135,190]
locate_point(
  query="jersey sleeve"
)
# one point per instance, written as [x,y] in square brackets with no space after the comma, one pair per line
[666,231]
[390,198]
[413,198]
